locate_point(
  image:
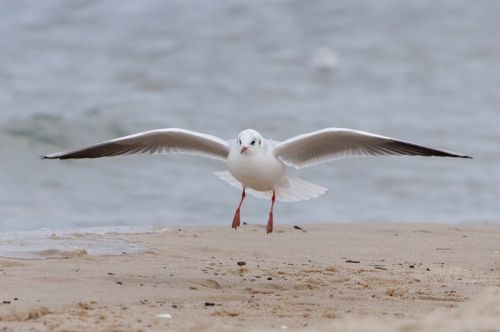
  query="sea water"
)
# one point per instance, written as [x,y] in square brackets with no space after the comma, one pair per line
[79,72]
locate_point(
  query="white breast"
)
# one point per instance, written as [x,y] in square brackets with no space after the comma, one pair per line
[260,170]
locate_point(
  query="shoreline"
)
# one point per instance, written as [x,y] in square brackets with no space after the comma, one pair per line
[325,275]
[48,243]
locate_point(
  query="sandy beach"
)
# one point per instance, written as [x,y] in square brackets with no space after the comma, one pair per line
[356,277]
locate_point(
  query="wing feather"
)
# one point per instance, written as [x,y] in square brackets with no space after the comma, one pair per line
[337,143]
[171,140]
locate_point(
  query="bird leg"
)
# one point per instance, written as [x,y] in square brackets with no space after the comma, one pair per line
[269,227]
[236,218]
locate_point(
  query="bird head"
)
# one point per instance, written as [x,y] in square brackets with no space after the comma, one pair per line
[249,141]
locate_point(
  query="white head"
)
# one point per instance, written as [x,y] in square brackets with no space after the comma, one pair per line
[249,141]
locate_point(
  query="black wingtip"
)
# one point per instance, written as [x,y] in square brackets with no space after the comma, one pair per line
[47,157]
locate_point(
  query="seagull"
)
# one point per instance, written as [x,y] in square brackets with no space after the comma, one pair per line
[257,165]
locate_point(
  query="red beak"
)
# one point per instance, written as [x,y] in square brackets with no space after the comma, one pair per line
[243,149]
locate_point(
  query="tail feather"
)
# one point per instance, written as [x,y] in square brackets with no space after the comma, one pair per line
[291,189]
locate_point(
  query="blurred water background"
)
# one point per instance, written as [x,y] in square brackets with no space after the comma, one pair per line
[73,73]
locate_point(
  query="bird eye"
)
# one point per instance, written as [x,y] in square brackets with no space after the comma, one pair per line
[253,142]
[239,141]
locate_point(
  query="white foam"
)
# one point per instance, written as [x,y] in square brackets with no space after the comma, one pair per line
[47,243]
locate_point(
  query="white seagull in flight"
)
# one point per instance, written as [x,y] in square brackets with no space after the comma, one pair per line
[258,165]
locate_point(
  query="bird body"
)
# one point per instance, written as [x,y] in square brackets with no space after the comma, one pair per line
[258,165]
[248,170]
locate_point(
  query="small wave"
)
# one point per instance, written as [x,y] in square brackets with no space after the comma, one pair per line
[60,131]
[42,128]
[46,243]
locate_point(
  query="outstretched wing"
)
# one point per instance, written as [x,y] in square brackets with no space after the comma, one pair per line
[337,143]
[171,140]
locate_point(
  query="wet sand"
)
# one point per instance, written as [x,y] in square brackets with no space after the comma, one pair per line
[356,277]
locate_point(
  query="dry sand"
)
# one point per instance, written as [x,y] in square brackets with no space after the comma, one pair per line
[382,277]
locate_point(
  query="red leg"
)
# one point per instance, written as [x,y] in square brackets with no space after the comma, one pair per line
[269,227]
[236,219]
